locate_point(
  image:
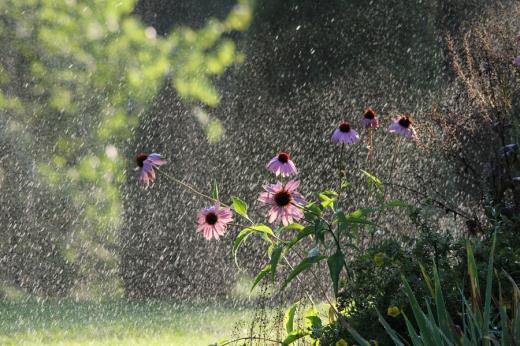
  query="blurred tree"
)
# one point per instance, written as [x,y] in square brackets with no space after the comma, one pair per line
[76,77]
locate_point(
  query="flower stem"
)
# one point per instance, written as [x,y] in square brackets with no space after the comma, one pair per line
[191,188]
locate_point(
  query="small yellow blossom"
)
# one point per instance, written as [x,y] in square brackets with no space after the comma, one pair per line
[393,311]
[341,342]
[379,259]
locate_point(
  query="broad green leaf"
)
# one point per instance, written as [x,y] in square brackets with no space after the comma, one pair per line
[293,336]
[288,319]
[239,206]
[312,319]
[301,234]
[312,211]
[335,263]
[275,258]
[306,263]
[261,275]
[262,229]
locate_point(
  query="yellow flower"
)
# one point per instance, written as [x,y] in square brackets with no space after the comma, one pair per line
[341,342]
[393,311]
[379,259]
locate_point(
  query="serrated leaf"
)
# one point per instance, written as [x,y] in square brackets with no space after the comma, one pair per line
[288,319]
[275,258]
[261,275]
[239,206]
[306,263]
[335,263]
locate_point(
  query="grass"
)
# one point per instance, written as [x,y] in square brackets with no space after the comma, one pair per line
[118,323]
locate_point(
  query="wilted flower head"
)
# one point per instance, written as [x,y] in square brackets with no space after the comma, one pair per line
[344,134]
[213,221]
[284,202]
[146,163]
[282,165]
[370,119]
[402,126]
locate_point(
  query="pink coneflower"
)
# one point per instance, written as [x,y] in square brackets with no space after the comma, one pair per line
[282,165]
[344,134]
[146,163]
[402,126]
[213,221]
[284,202]
[370,119]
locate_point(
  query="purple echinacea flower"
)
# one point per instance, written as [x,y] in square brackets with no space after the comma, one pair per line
[146,163]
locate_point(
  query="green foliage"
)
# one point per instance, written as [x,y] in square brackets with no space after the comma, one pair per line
[376,281]
[90,70]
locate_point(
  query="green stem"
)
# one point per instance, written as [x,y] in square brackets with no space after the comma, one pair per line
[190,188]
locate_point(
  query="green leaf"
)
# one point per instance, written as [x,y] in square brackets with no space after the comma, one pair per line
[372,179]
[487,298]
[293,336]
[312,211]
[335,263]
[301,234]
[389,330]
[275,258]
[306,263]
[295,226]
[262,229]
[214,191]
[327,201]
[239,206]
[261,275]
[241,237]
[288,319]
[312,319]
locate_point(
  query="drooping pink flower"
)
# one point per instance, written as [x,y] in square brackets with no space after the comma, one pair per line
[402,126]
[285,203]
[282,165]
[213,221]
[344,134]
[146,163]
[370,119]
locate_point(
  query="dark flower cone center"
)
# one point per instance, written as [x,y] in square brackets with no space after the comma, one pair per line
[211,218]
[369,114]
[139,159]
[405,122]
[283,157]
[344,127]
[282,198]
